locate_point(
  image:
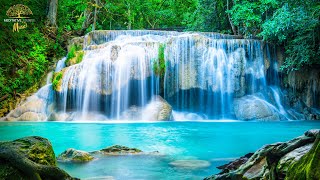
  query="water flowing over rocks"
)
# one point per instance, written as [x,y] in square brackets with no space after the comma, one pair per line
[29,158]
[294,159]
[253,108]
[35,108]
[123,74]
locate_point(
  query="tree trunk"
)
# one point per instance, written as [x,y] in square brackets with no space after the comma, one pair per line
[95,16]
[52,13]
[86,23]
[230,21]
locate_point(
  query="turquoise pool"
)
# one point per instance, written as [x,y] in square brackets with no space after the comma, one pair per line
[215,142]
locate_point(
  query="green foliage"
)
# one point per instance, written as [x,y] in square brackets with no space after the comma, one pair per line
[248,15]
[159,66]
[298,29]
[80,56]
[74,56]
[57,80]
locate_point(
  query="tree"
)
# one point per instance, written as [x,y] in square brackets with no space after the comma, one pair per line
[52,13]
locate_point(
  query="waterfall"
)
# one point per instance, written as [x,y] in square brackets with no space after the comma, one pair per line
[164,75]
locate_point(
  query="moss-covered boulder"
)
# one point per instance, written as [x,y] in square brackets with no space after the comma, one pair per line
[73,155]
[118,150]
[308,167]
[29,158]
[288,160]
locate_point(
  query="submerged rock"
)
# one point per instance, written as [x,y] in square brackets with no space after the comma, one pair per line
[118,150]
[253,108]
[29,158]
[289,160]
[234,164]
[73,155]
[190,164]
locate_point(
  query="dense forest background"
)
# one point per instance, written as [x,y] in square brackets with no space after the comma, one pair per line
[26,56]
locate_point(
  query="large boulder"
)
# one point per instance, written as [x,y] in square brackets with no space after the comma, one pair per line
[29,158]
[157,109]
[253,108]
[308,166]
[288,160]
[31,110]
[73,155]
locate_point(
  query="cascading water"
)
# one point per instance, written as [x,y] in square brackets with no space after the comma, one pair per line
[205,76]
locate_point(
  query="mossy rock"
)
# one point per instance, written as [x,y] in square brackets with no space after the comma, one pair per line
[29,158]
[119,150]
[73,155]
[75,55]
[57,80]
[308,167]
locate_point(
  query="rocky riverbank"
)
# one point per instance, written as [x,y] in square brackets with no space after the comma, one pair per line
[294,159]
[29,158]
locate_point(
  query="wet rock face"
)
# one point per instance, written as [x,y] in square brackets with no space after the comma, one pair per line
[252,108]
[303,92]
[293,159]
[73,155]
[29,111]
[29,158]
[157,109]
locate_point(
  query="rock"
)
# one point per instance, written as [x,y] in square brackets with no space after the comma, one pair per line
[190,164]
[307,167]
[59,116]
[73,155]
[118,150]
[291,157]
[31,110]
[234,164]
[77,41]
[29,158]
[288,160]
[253,108]
[157,110]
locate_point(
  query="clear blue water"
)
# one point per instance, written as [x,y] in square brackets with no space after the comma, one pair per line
[216,142]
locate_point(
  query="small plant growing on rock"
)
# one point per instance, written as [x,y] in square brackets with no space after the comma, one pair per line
[75,55]
[159,66]
[57,81]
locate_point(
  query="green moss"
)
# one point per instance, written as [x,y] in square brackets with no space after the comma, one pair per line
[79,56]
[75,55]
[159,66]
[57,81]
[308,166]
